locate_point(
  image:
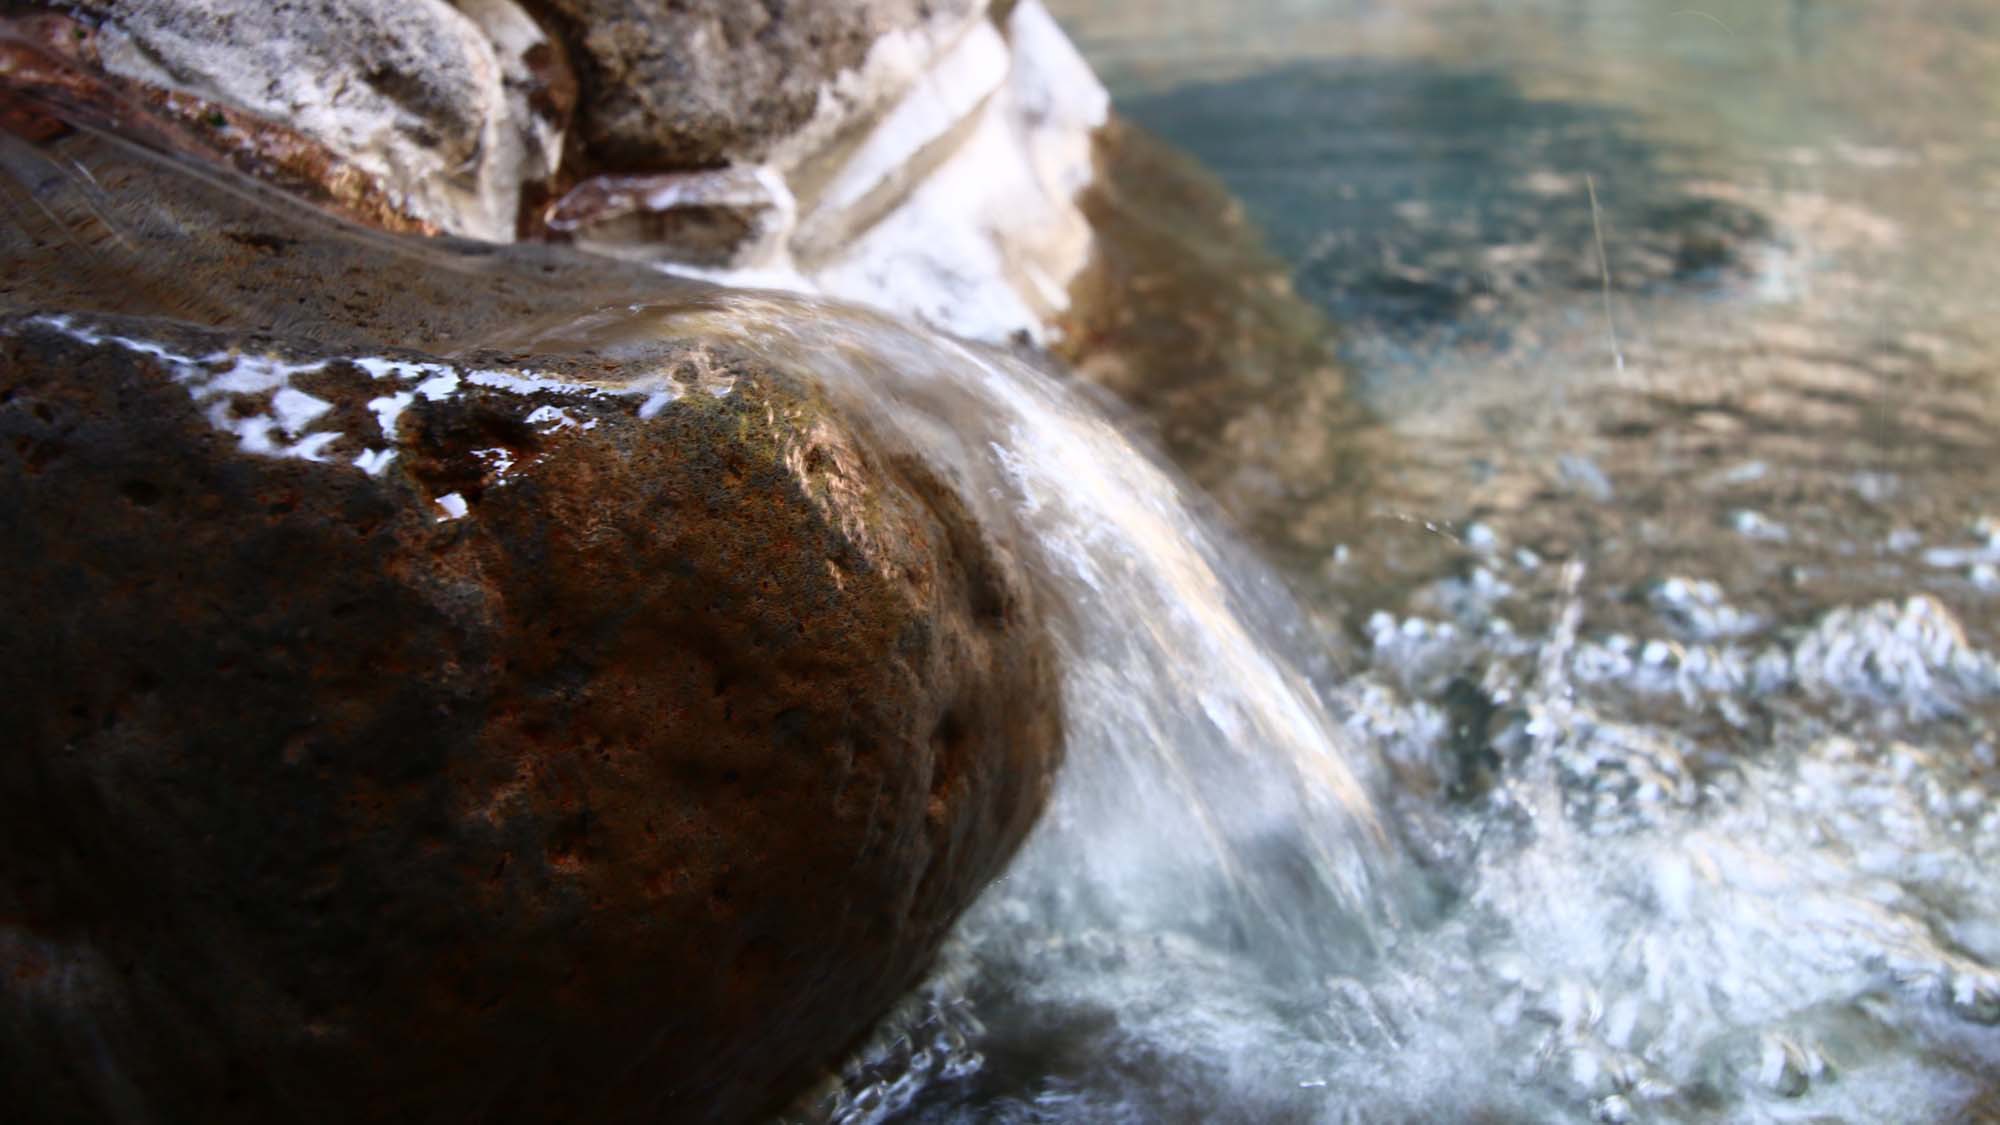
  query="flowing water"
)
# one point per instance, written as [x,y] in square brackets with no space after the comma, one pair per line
[1667,604]
[1207,791]
[1210,803]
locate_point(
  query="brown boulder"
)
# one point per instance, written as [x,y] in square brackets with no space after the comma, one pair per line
[507,737]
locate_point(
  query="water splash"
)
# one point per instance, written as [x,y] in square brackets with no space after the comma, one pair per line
[1690,895]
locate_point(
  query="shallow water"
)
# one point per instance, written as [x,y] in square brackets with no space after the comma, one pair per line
[1668,601]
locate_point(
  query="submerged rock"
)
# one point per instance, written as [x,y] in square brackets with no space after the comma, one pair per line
[413,721]
[1186,317]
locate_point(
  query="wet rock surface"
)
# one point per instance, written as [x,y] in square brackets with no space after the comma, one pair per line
[936,177]
[713,218]
[413,722]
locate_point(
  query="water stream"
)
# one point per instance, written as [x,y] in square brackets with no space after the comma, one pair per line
[1667,609]
[1208,792]
[1507,868]
[1633,758]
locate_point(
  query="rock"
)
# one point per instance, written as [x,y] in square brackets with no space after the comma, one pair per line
[909,140]
[918,156]
[444,117]
[540,84]
[682,84]
[723,218]
[1187,317]
[937,178]
[52,61]
[512,734]
[987,240]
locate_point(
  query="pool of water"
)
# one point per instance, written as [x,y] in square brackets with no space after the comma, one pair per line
[1667,599]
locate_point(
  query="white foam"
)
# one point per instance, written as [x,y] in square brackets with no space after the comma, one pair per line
[228,384]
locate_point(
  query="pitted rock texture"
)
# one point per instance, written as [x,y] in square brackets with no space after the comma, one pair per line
[675,84]
[491,738]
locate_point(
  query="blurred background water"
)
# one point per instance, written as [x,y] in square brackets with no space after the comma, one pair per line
[1808,184]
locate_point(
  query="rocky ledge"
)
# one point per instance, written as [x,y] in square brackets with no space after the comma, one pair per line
[411,719]
[922,156]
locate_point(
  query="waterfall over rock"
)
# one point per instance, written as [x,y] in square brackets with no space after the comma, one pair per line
[588,629]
